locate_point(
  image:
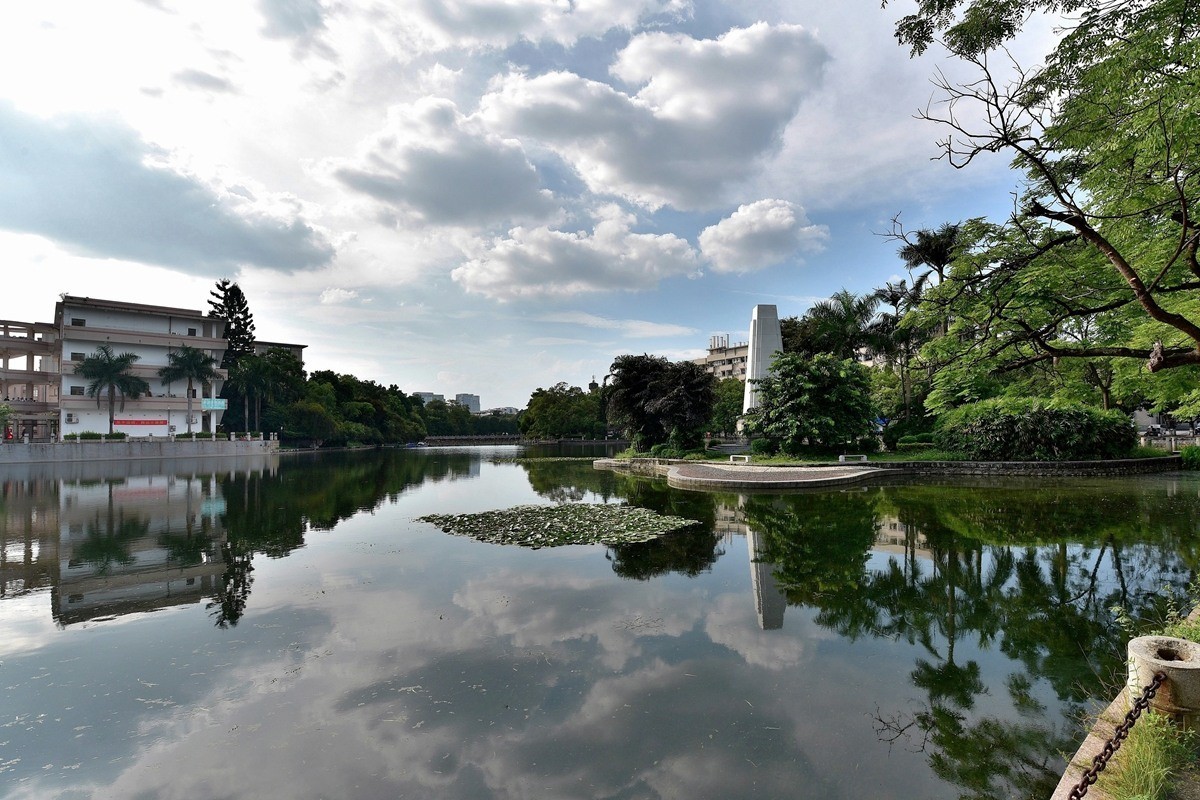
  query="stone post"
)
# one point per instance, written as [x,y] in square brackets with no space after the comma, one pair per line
[1179,659]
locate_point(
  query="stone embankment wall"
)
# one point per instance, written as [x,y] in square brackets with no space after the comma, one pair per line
[1117,466]
[42,452]
[1126,466]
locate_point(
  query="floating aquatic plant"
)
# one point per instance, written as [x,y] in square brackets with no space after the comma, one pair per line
[553,526]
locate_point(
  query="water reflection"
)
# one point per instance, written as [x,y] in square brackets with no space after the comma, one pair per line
[901,641]
[117,538]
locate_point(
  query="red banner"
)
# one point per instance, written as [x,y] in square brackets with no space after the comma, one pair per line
[139,422]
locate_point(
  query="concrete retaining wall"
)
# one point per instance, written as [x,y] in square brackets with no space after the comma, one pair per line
[1123,466]
[1117,466]
[34,453]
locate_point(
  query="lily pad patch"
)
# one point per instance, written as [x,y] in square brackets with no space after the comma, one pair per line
[554,526]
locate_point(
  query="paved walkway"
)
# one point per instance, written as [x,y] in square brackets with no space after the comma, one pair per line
[749,476]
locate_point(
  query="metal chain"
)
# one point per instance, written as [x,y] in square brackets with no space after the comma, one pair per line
[1114,744]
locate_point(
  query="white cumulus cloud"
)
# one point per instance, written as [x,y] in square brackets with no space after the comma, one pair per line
[432,161]
[334,295]
[759,235]
[707,111]
[541,262]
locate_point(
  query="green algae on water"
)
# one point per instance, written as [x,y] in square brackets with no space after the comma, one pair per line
[554,526]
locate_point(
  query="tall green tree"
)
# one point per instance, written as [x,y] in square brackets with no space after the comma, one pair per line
[844,326]
[1100,259]
[657,401]
[562,411]
[228,302]
[111,375]
[727,406]
[191,365]
[250,378]
[823,401]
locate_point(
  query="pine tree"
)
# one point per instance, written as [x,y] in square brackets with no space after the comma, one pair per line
[229,303]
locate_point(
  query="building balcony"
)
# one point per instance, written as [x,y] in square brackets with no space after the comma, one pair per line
[143,403]
[120,337]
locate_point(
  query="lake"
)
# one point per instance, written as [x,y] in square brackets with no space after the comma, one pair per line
[284,626]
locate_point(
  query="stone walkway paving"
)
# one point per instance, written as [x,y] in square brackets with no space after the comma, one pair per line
[748,476]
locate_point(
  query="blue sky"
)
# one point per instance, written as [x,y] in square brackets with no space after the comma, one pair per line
[481,196]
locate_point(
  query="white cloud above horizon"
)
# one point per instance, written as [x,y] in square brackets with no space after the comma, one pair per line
[759,235]
[475,175]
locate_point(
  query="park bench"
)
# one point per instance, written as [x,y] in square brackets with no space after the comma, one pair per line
[856,457]
[742,459]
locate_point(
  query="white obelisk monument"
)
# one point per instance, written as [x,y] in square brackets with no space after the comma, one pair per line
[765,340]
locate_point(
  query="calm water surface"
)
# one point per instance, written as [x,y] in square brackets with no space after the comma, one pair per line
[285,627]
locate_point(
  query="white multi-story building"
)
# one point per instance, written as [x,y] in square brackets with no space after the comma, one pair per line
[725,360]
[468,401]
[82,324]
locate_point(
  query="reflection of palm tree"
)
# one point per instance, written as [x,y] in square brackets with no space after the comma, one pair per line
[108,540]
[110,374]
[233,591]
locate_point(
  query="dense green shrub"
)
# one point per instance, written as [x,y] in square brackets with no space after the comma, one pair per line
[910,447]
[1191,457]
[90,435]
[70,437]
[901,428]
[867,444]
[119,436]
[762,447]
[916,438]
[1031,429]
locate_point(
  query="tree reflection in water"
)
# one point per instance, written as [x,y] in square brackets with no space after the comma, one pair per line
[270,513]
[1032,569]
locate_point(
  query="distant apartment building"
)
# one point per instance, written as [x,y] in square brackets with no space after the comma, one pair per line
[48,399]
[468,401]
[725,360]
[297,350]
[83,324]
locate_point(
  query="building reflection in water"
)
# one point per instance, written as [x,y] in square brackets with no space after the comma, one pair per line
[102,540]
[892,537]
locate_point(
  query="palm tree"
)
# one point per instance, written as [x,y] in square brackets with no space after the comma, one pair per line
[844,325]
[251,375]
[112,375]
[192,365]
[933,249]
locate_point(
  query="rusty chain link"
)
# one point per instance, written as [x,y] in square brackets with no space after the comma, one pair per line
[1114,744]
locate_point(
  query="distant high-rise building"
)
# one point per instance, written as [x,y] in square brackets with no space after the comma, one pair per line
[428,397]
[470,401]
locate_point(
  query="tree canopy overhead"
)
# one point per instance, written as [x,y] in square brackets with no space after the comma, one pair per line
[1099,261]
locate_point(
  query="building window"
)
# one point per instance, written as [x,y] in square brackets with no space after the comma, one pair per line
[78,356]
[78,322]
[77,391]
[191,331]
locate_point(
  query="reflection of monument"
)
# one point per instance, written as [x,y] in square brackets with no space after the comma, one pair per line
[769,600]
[765,340]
